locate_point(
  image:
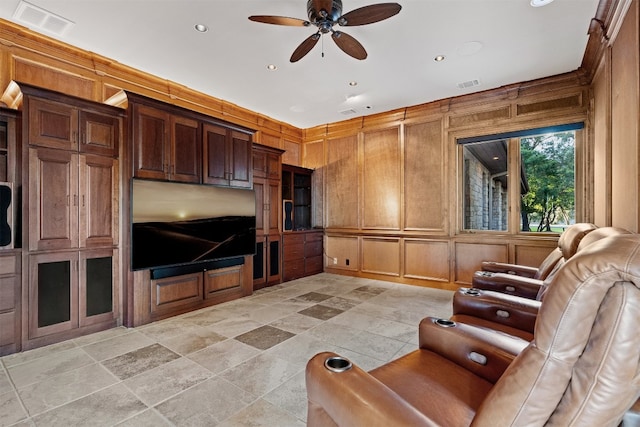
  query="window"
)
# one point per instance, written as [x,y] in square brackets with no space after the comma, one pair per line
[542,190]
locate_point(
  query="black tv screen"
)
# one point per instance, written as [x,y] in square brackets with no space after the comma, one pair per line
[177,224]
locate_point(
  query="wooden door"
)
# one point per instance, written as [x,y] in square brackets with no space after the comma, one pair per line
[98,200]
[215,153]
[240,168]
[150,142]
[53,293]
[186,150]
[97,286]
[99,134]
[53,199]
[52,124]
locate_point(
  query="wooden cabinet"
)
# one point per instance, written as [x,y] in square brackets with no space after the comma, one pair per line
[70,176]
[302,254]
[166,145]
[227,156]
[10,341]
[70,290]
[73,200]
[63,126]
[267,186]
[179,294]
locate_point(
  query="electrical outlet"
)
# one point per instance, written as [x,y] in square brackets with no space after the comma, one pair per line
[335,261]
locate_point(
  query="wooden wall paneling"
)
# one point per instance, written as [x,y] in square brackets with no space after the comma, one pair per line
[381,184]
[345,250]
[624,125]
[601,133]
[426,259]
[292,155]
[381,256]
[342,187]
[469,257]
[46,74]
[424,177]
[269,140]
[533,255]
[313,158]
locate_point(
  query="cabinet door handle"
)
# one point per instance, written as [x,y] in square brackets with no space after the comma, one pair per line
[74,136]
[83,200]
[75,200]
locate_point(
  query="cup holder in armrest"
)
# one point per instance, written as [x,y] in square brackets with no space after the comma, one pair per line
[445,323]
[472,292]
[337,364]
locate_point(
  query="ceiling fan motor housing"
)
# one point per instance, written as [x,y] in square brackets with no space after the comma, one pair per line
[315,16]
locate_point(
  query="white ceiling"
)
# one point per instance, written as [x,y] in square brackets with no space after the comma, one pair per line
[518,43]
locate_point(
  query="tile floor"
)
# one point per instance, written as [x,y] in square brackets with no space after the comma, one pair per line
[239,363]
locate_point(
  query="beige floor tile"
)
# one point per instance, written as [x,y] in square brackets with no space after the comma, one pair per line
[60,389]
[11,411]
[45,367]
[291,396]
[112,347]
[261,374]
[167,380]
[224,355]
[262,414]
[206,404]
[103,408]
[148,418]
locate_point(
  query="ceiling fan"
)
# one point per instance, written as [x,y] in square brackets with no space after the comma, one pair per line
[325,14]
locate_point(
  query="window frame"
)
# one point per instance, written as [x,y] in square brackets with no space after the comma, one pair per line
[513,180]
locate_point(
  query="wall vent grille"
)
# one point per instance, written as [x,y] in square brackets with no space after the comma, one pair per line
[348,112]
[468,84]
[40,19]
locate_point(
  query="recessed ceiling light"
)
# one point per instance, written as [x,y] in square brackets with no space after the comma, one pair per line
[439,58]
[538,3]
[201,28]
[353,83]
[271,67]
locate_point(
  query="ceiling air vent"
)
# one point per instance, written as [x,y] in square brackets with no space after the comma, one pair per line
[348,112]
[40,19]
[468,84]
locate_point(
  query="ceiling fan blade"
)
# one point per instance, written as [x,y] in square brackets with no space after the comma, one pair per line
[349,45]
[305,47]
[369,14]
[323,4]
[279,20]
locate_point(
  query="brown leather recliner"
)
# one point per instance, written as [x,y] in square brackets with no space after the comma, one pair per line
[582,367]
[526,281]
[514,315]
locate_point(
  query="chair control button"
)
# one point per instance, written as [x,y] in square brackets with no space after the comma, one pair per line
[478,358]
[510,288]
[503,313]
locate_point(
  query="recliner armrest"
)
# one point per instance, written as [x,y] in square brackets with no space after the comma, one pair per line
[509,310]
[503,267]
[507,283]
[355,398]
[484,352]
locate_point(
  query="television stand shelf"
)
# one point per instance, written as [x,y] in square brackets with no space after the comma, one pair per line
[168,296]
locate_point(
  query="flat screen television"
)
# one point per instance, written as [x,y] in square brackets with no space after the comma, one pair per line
[176,224]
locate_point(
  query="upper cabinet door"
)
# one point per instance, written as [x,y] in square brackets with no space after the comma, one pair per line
[186,150]
[99,134]
[53,125]
[150,139]
[240,169]
[227,157]
[215,155]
